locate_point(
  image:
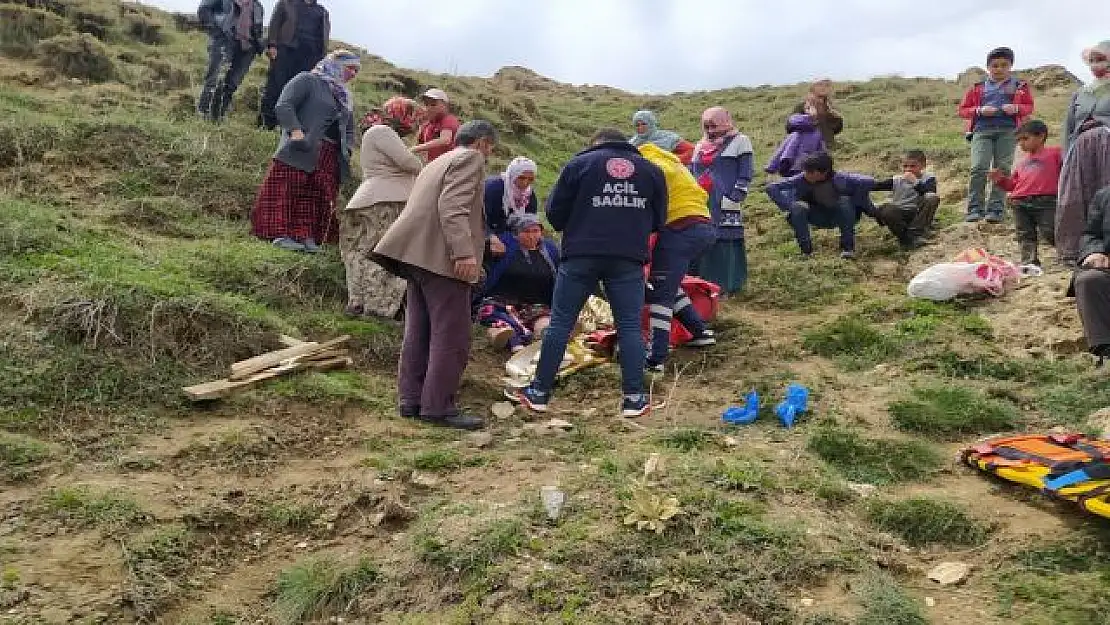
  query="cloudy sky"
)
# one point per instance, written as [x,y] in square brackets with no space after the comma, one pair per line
[661,46]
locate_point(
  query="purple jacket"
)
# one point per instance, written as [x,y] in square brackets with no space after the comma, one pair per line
[804,139]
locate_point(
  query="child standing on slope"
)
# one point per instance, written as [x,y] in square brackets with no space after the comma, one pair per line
[1032,188]
[993,108]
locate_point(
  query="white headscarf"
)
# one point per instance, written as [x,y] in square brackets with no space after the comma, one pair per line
[1098,67]
[516,200]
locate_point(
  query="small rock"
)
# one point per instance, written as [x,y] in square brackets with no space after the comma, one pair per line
[930,602]
[731,441]
[392,512]
[589,412]
[423,481]
[863,490]
[553,501]
[549,428]
[950,573]
[481,440]
[653,465]
[502,409]
[301,545]
[807,602]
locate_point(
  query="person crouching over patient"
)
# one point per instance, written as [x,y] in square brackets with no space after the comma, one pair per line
[515,301]
[913,201]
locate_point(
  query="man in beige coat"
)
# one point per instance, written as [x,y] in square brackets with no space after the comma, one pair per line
[437,245]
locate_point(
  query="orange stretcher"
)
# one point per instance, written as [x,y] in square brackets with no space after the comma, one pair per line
[1072,467]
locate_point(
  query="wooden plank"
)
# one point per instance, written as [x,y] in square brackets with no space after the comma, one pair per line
[325,355]
[289,341]
[247,368]
[221,388]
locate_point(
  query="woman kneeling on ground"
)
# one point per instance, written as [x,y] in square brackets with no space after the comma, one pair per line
[1091,283]
[508,194]
[389,170]
[515,301]
[295,207]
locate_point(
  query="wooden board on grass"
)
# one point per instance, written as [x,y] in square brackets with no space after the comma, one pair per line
[247,368]
[221,388]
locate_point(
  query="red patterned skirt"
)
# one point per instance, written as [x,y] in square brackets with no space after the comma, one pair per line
[298,205]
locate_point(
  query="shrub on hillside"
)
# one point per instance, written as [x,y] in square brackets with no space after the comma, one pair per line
[96,24]
[186,22]
[78,56]
[145,31]
[21,28]
[165,76]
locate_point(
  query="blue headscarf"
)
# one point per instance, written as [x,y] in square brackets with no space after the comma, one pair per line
[330,69]
[663,138]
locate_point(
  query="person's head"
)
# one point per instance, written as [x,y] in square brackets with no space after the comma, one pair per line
[527,229]
[1031,135]
[716,122]
[1098,59]
[399,113]
[817,167]
[608,135]
[348,63]
[478,134]
[435,103]
[1000,64]
[822,88]
[913,162]
[645,122]
[521,172]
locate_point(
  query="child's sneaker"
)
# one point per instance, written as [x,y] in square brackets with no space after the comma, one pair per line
[655,368]
[973,218]
[529,397]
[995,218]
[848,255]
[638,405]
[706,339]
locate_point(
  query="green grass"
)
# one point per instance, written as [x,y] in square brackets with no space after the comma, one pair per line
[83,507]
[1063,582]
[20,456]
[854,343]
[471,558]
[921,522]
[158,563]
[686,439]
[874,460]
[289,516]
[952,412]
[884,603]
[321,587]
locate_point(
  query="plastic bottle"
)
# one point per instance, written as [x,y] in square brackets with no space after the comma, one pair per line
[797,398]
[743,415]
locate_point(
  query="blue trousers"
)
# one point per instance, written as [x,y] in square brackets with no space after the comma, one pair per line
[674,251]
[575,282]
[843,216]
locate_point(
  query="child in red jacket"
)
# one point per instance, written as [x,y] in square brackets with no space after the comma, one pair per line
[1032,189]
[993,108]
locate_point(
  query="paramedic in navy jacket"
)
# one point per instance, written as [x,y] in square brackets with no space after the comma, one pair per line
[607,202]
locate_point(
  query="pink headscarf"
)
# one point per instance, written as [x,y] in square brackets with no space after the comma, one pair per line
[724,129]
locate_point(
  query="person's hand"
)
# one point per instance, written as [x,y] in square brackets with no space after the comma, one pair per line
[467,270]
[297,135]
[988,111]
[1097,261]
[909,177]
[271,53]
[496,247]
[996,175]
[1089,124]
[1010,109]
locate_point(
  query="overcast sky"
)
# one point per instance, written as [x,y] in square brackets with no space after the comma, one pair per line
[662,46]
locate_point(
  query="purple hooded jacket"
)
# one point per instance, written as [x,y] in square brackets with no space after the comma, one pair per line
[804,138]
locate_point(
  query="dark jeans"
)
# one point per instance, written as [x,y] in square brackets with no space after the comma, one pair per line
[674,251]
[1032,216]
[1092,298]
[843,216]
[910,224]
[289,63]
[575,282]
[436,345]
[215,95]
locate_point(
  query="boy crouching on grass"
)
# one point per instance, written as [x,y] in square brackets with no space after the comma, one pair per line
[1033,187]
[913,201]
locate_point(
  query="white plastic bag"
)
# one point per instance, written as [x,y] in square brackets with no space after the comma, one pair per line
[945,281]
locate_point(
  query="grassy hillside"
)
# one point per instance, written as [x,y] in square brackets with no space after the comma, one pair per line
[126,271]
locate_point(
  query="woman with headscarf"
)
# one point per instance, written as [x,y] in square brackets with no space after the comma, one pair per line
[722,164]
[647,131]
[818,105]
[515,299]
[389,170]
[508,194]
[1086,153]
[295,207]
